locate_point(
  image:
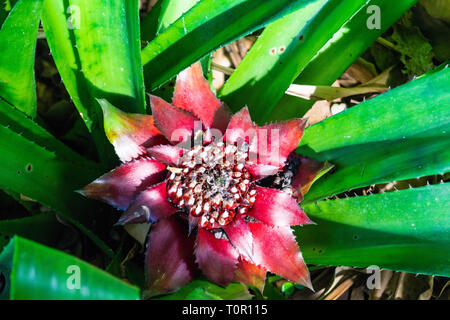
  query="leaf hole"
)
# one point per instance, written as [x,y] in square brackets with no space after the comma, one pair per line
[355,237]
[29,167]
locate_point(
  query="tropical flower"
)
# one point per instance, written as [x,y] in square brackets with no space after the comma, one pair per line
[220,192]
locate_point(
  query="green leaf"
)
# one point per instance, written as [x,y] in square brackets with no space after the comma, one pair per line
[168,12]
[163,14]
[43,228]
[96,48]
[281,53]
[18,35]
[406,230]
[205,290]
[149,23]
[34,271]
[5,9]
[401,134]
[352,39]
[171,10]
[50,179]
[207,26]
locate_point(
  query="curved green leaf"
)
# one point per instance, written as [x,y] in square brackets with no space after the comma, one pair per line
[401,134]
[18,34]
[281,53]
[34,271]
[50,179]
[163,14]
[208,25]
[5,9]
[406,230]
[341,51]
[96,48]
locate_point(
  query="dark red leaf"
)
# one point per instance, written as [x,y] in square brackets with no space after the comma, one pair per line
[216,257]
[120,186]
[150,206]
[307,172]
[169,260]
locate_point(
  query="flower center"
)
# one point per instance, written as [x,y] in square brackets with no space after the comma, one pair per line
[212,183]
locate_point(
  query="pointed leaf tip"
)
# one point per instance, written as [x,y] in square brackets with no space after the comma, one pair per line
[129,133]
[309,170]
[193,94]
[177,125]
[276,249]
[121,185]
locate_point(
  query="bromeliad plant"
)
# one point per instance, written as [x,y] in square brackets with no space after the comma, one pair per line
[215,186]
[210,186]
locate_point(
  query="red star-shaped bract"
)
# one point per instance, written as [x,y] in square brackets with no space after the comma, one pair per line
[208,204]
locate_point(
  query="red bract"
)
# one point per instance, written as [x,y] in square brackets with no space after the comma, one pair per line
[221,193]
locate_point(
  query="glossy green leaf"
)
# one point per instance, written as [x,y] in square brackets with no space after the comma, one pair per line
[281,53]
[207,26]
[34,271]
[407,230]
[171,10]
[205,290]
[341,51]
[96,48]
[168,12]
[5,9]
[43,228]
[18,34]
[50,179]
[401,134]
[163,14]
